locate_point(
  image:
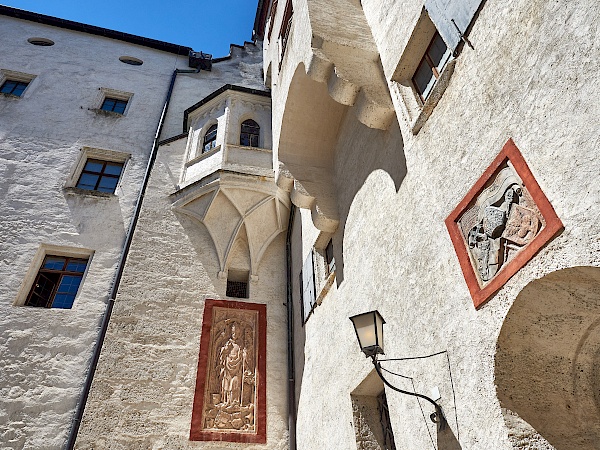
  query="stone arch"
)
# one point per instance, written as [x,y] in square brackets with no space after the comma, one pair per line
[547,364]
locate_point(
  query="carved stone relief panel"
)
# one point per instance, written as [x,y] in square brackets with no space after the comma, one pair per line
[229,402]
[500,224]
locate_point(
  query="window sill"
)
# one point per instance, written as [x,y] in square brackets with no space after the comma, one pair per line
[327,283]
[107,113]
[436,94]
[85,192]
[202,156]
[5,94]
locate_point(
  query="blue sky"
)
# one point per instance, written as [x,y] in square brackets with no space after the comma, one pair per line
[205,25]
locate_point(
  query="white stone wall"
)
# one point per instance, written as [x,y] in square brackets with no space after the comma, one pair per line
[44,353]
[531,77]
[143,390]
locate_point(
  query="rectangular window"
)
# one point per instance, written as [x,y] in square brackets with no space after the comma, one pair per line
[57,282]
[14,87]
[237,283]
[114,105]
[101,176]
[329,259]
[431,66]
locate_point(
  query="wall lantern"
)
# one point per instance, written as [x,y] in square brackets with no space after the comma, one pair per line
[369,331]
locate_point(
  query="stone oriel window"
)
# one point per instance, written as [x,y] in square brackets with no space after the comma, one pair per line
[100,176]
[250,133]
[431,66]
[57,282]
[210,139]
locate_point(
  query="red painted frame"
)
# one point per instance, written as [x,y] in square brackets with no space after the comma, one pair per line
[196,433]
[511,153]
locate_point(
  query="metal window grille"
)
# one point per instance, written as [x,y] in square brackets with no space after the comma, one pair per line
[238,289]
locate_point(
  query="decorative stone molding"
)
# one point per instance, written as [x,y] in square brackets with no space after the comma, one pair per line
[502,222]
[236,208]
[230,396]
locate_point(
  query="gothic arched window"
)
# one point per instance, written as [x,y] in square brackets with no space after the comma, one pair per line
[210,139]
[250,133]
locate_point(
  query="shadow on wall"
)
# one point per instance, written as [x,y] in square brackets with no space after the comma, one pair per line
[331,153]
[548,362]
[446,440]
[360,152]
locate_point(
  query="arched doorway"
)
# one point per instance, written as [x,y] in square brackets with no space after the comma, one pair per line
[547,363]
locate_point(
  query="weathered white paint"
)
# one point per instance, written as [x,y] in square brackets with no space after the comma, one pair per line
[45,352]
[531,77]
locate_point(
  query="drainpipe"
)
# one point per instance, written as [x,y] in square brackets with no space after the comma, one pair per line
[290,334]
[113,293]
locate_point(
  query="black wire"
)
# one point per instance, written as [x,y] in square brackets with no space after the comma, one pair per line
[454,399]
[423,413]
[397,374]
[413,357]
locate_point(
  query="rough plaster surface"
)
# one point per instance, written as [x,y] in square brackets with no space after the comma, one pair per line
[44,353]
[143,390]
[530,77]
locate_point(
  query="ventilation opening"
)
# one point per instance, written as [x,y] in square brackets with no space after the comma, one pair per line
[237,283]
[41,41]
[131,60]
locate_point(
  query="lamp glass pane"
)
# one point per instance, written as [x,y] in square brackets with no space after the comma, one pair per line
[379,321]
[365,328]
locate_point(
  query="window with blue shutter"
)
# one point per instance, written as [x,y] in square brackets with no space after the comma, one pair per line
[452,18]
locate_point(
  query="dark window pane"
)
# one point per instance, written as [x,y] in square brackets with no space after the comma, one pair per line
[69,284]
[87,181]
[113,168]
[93,166]
[63,301]
[76,265]
[438,52]
[8,86]
[19,88]
[249,134]
[120,106]
[54,263]
[424,79]
[107,184]
[108,104]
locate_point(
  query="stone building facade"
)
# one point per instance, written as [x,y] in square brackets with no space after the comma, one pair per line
[433,160]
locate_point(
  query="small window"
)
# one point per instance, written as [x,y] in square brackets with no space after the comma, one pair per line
[250,133]
[14,87]
[114,105]
[431,66]
[57,282]
[210,139]
[237,283]
[101,176]
[329,259]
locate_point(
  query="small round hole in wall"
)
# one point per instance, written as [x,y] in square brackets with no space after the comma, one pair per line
[131,60]
[40,41]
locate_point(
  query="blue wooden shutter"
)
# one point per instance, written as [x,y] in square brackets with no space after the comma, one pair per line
[442,12]
[308,285]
